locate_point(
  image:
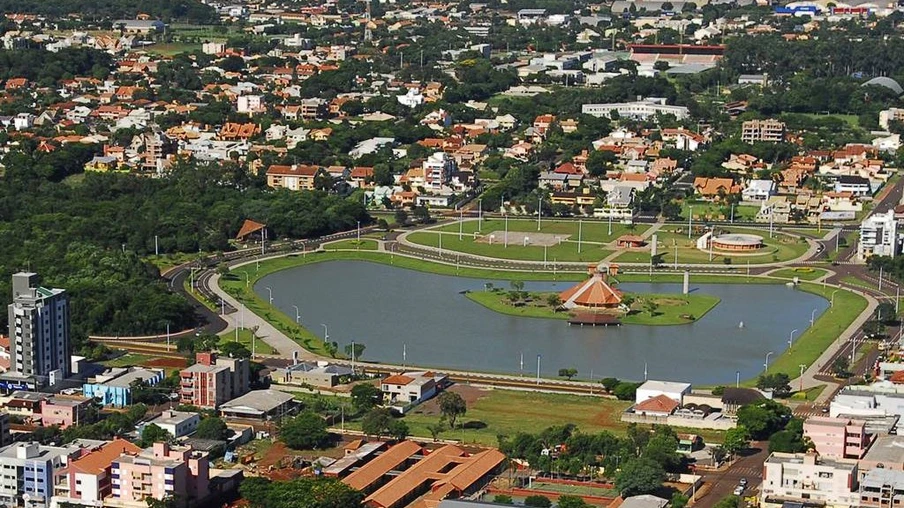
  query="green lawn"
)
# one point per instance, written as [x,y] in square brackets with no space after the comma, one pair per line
[704,210]
[806,273]
[854,281]
[779,248]
[673,309]
[590,230]
[508,412]
[810,394]
[809,345]
[244,335]
[127,360]
[364,244]
[565,251]
[173,48]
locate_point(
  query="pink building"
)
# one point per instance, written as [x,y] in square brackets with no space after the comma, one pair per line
[89,477]
[64,411]
[213,380]
[838,438]
[160,472]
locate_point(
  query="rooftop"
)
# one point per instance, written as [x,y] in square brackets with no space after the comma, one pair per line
[886,450]
[258,400]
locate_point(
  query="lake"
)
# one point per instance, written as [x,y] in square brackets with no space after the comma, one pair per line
[424,317]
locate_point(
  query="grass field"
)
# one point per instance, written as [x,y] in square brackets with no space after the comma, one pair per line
[778,248]
[828,327]
[854,281]
[801,273]
[575,490]
[673,309]
[364,244]
[566,251]
[127,360]
[704,210]
[173,48]
[508,412]
[260,347]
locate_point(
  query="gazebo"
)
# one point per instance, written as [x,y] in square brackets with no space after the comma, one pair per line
[251,230]
[594,293]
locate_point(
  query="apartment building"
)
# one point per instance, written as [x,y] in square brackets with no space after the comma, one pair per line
[763,131]
[879,236]
[159,472]
[293,177]
[39,330]
[64,411]
[213,380]
[89,479]
[886,117]
[804,478]
[639,110]
[438,169]
[30,471]
[838,438]
[882,488]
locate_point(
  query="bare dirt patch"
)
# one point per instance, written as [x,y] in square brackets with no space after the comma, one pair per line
[173,363]
[471,394]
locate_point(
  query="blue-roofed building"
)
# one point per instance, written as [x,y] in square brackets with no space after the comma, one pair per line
[114,387]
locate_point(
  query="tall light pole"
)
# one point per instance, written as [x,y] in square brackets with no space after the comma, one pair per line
[812,318]
[270,293]
[247,278]
[538,369]
[326,333]
[766,363]
[297,315]
[461,221]
[690,221]
[539,210]
[358,233]
[791,338]
[479,215]
[832,299]
[580,233]
[802,368]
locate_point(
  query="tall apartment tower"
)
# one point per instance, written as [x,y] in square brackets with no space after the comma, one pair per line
[38,329]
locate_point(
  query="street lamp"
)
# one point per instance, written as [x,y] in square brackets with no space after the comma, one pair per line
[766,363]
[326,332]
[832,299]
[270,293]
[812,318]
[297,315]
[247,278]
[791,337]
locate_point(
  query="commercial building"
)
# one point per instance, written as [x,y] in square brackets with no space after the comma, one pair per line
[160,472]
[802,478]
[39,330]
[763,131]
[879,236]
[673,390]
[114,386]
[212,381]
[177,423]
[837,438]
[260,405]
[886,452]
[320,374]
[640,110]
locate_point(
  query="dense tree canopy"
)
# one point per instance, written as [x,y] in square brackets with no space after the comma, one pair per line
[186,10]
[299,493]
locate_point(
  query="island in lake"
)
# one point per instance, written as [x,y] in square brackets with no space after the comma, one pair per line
[597,301]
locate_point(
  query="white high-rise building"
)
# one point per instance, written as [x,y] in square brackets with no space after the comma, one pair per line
[438,169]
[38,329]
[879,236]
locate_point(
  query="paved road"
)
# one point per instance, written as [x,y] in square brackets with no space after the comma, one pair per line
[723,483]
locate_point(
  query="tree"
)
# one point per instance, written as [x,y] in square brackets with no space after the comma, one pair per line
[639,476]
[650,306]
[365,396]
[398,429]
[302,492]
[517,285]
[763,418]
[662,448]
[503,499]
[554,300]
[718,454]
[212,428]
[609,383]
[537,501]
[779,383]
[841,367]
[421,214]
[306,431]
[401,217]
[437,428]
[355,353]
[234,350]
[569,373]
[729,502]
[452,405]
[376,422]
[625,390]
[152,433]
[679,500]
[736,439]
[567,501]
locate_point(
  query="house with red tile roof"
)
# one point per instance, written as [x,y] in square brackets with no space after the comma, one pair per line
[294,177]
[90,476]
[660,405]
[402,391]
[715,188]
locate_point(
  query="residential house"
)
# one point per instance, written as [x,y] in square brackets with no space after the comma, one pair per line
[294,177]
[715,188]
[683,139]
[758,190]
[362,177]
[177,423]
[410,388]
[857,185]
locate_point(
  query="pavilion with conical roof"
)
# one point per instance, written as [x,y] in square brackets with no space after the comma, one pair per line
[594,293]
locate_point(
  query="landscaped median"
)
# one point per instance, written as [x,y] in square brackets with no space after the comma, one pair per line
[666,309]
